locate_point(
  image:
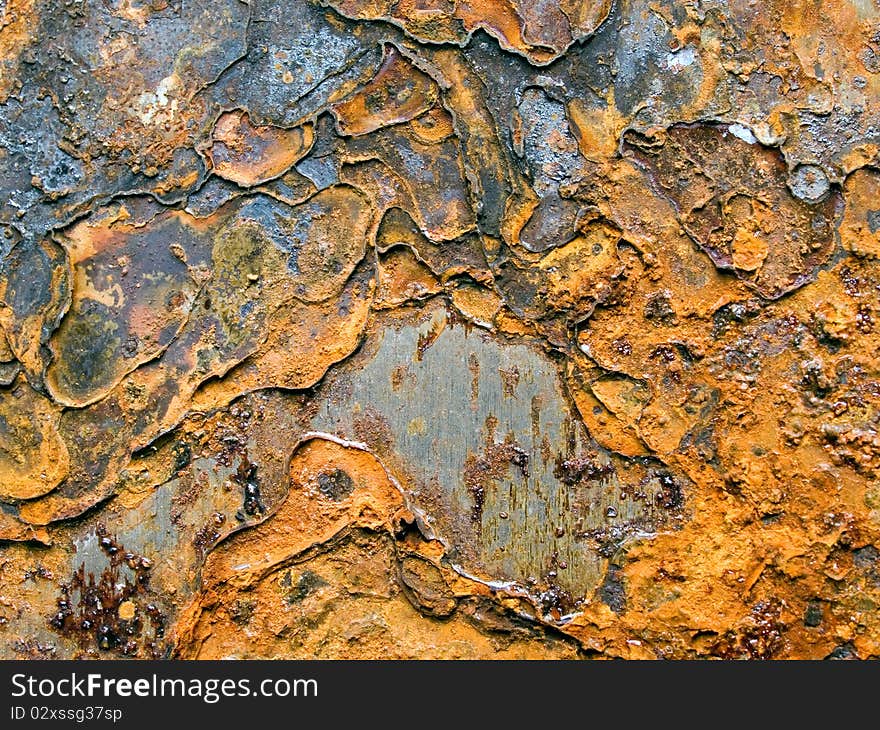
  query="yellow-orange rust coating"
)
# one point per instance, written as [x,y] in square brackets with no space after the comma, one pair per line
[440,328]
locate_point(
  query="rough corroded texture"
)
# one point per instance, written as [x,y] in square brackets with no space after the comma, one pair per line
[507,329]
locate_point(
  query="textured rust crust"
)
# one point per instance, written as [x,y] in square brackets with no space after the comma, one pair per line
[433,328]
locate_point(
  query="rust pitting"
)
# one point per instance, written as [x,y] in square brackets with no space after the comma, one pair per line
[482,471]
[113,612]
[246,477]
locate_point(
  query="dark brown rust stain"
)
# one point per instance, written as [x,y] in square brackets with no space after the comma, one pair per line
[482,471]
[246,477]
[114,612]
[209,534]
[509,381]
[428,339]
[474,368]
[372,428]
[760,636]
[575,470]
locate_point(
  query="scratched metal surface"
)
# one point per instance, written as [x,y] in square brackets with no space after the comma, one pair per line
[482,435]
[367,329]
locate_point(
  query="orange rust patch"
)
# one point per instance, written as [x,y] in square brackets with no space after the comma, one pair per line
[248,154]
[398,93]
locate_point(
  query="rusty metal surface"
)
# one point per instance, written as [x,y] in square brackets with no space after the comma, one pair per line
[365,329]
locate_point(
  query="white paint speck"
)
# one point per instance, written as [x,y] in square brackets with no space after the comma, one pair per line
[680,59]
[743,132]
